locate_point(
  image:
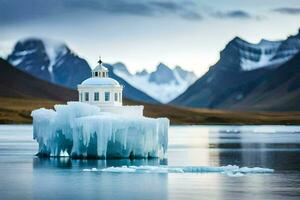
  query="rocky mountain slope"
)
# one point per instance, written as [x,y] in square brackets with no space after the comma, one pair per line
[17,84]
[49,60]
[262,76]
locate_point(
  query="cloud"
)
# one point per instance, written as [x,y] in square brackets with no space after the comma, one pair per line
[192,16]
[287,10]
[140,8]
[171,6]
[16,11]
[233,14]
[116,7]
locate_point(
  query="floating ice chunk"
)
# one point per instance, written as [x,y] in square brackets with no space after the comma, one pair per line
[119,169]
[209,169]
[83,130]
[255,170]
[90,170]
[230,170]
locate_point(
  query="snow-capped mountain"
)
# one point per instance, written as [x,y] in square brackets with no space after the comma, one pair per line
[49,60]
[54,62]
[164,84]
[263,76]
[266,53]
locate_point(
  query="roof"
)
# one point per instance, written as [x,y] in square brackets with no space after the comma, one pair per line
[100,67]
[100,81]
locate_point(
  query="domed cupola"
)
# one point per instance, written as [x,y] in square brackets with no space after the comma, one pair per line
[100,70]
[100,89]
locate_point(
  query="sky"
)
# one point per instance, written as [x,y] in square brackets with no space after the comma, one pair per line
[143,33]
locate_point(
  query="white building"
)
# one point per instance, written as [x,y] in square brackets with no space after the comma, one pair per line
[105,92]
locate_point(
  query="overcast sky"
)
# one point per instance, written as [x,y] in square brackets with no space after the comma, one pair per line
[142,33]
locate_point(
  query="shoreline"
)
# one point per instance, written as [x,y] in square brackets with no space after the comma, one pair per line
[18,110]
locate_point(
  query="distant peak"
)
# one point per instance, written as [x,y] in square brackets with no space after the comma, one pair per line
[162,66]
[51,42]
[119,66]
[263,43]
[238,39]
[178,68]
[142,73]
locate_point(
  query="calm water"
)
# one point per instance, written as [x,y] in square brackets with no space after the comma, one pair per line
[23,176]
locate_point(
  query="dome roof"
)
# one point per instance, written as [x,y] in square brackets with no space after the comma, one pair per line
[100,67]
[100,81]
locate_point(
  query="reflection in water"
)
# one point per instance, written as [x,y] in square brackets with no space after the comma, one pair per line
[65,179]
[68,163]
[243,147]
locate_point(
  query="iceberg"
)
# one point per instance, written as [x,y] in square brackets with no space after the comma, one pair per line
[82,130]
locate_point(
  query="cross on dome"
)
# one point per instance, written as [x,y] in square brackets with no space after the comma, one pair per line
[100,71]
[100,61]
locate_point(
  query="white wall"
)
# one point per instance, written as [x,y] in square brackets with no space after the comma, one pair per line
[101,90]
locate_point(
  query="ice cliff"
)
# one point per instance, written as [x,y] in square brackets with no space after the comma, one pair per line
[85,131]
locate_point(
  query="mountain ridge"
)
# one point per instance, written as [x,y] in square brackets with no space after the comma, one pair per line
[53,61]
[227,85]
[163,84]
[49,60]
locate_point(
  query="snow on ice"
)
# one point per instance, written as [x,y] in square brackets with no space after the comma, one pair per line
[230,170]
[81,131]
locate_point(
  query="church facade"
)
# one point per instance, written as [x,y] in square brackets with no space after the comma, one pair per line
[105,92]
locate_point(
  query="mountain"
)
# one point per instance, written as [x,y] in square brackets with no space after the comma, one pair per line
[17,84]
[129,91]
[163,84]
[49,60]
[54,62]
[162,75]
[261,76]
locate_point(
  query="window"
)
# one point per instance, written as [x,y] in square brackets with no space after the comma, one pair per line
[120,97]
[103,74]
[80,96]
[96,96]
[116,96]
[96,73]
[86,96]
[106,96]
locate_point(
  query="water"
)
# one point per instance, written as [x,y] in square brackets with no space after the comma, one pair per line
[24,176]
